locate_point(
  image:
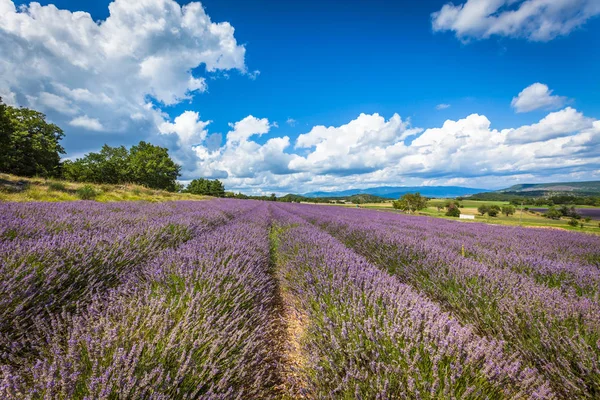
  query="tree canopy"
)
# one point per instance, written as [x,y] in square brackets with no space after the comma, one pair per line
[144,164]
[206,187]
[29,145]
[411,202]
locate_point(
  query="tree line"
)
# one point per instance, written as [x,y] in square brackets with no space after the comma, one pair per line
[30,146]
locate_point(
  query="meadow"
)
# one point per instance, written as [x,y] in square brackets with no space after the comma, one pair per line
[532,217]
[232,299]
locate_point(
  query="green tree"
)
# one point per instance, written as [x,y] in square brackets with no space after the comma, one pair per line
[206,187]
[151,166]
[553,213]
[483,209]
[508,210]
[410,202]
[273,197]
[453,210]
[5,135]
[217,188]
[493,211]
[29,145]
[110,165]
[199,186]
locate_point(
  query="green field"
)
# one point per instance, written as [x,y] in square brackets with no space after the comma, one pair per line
[527,218]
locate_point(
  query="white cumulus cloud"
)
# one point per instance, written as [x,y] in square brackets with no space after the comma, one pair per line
[371,150]
[119,72]
[535,20]
[536,96]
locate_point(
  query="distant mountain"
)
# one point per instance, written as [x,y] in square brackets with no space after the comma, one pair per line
[394,192]
[582,189]
[589,188]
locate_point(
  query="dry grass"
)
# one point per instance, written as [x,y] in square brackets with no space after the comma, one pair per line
[18,189]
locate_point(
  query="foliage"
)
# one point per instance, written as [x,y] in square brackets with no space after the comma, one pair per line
[144,164]
[494,210]
[553,213]
[29,145]
[573,222]
[206,187]
[483,209]
[453,210]
[508,210]
[411,202]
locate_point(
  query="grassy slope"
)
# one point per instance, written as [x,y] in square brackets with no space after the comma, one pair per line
[18,189]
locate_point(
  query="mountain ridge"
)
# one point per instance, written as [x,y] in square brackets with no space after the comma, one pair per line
[394,192]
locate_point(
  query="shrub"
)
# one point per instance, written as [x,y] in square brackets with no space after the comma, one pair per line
[553,213]
[453,212]
[573,222]
[87,192]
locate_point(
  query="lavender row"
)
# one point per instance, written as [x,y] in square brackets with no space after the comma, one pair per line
[557,332]
[56,271]
[555,258]
[199,322]
[367,335]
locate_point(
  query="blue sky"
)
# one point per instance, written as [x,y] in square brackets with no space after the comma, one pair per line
[321,64]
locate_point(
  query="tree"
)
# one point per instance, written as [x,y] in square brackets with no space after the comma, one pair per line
[217,189]
[508,210]
[151,166]
[483,209]
[493,211]
[553,213]
[410,202]
[453,210]
[5,135]
[206,187]
[29,145]
[199,186]
[110,165]
[273,197]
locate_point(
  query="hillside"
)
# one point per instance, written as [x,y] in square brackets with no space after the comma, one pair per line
[590,188]
[19,189]
[394,192]
[579,189]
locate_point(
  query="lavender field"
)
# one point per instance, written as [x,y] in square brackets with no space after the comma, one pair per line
[231,299]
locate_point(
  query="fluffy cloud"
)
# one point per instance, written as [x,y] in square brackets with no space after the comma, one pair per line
[188,127]
[535,97]
[371,150]
[536,20]
[114,75]
[85,122]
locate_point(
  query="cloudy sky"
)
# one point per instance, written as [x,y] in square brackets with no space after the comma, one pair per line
[295,96]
